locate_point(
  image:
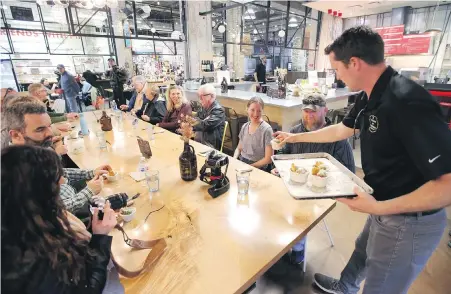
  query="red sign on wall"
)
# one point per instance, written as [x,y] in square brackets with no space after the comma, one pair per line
[396,43]
[416,44]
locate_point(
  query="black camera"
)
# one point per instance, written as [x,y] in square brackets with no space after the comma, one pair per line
[117,201]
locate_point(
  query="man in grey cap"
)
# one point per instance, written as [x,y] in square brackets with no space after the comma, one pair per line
[70,88]
[314,113]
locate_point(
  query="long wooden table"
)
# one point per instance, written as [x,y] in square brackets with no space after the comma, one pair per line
[217,245]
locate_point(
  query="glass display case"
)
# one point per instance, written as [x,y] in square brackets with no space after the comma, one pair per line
[7,77]
[33,70]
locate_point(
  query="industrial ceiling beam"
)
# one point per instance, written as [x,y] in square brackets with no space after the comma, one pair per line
[221,9]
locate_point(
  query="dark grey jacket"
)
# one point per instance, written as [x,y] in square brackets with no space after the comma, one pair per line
[155,109]
[340,150]
[211,124]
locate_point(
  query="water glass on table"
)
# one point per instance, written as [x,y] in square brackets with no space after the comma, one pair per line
[153,180]
[102,141]
[242,180]
[120,121]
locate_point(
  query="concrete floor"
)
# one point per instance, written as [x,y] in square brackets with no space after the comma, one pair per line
[345,225]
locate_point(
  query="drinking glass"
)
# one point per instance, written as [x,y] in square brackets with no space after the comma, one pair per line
[242,180]
[102,141]
[153,180]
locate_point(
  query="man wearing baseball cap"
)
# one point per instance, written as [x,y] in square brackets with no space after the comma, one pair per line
[406,159]
[70,88]
[314,113]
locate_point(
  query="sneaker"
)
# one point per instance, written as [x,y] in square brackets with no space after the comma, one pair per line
[297,257]
[328,284]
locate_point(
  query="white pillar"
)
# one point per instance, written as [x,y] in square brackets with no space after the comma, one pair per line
[124,55]
[331,28]
[235,59]
[199,35]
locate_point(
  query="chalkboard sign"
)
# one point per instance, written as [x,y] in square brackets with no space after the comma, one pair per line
[22,13]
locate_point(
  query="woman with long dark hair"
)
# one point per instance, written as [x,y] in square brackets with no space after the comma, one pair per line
[45,249]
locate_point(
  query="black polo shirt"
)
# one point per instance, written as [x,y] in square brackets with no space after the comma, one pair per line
[405,141]
[261,73]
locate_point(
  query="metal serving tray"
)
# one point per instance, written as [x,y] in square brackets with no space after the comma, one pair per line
[340,181]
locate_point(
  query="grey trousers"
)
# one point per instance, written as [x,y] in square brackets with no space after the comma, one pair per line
[391,251]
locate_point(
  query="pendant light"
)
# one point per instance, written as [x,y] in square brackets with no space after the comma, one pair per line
[433,31]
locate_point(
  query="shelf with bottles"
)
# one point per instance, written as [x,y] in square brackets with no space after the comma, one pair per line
[207,66]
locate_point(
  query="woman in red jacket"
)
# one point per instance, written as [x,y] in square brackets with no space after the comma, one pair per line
[177,104]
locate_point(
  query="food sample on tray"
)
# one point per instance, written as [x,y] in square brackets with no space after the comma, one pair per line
[298,174]
[319,175]
[111,173]
[275,144]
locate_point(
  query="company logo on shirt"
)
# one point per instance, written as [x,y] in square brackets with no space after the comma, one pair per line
[374,123]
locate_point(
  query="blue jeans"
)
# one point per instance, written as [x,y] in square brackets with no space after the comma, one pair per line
[391,251]
[71,103]
[299,246]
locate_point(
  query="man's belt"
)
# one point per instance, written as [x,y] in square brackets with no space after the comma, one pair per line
[422,213]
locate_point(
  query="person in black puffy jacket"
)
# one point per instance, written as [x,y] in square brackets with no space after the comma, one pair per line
[45,249]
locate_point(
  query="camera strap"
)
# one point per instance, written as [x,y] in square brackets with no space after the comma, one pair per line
[157,246]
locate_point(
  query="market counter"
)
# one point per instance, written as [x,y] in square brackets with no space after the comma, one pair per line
[285,112]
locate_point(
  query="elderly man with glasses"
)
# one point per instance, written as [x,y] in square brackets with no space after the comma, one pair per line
[211,119]
[139,96]
[40,92]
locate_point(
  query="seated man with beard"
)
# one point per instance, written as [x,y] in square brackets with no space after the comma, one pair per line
[314,112]
[28,123]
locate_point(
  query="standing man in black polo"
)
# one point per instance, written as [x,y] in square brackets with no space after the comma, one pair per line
[406,158]
[117,80]
[260,73]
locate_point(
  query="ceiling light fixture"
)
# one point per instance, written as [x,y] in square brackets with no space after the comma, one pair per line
[62,3]
[177,35]
[88,5]
[221,28]
[250,14]
[146,8]
[433,31]
[255,31]
[281,33]
[153,30]
[112,3]
[292,23]
[99,3]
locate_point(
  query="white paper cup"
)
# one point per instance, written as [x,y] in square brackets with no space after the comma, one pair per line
[112,178]
[298,177]
[129,217]
[319,182]
[275,145]
[74,134]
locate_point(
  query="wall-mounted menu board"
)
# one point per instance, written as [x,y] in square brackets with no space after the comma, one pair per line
[92,63]
[396,43]
[21,13]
